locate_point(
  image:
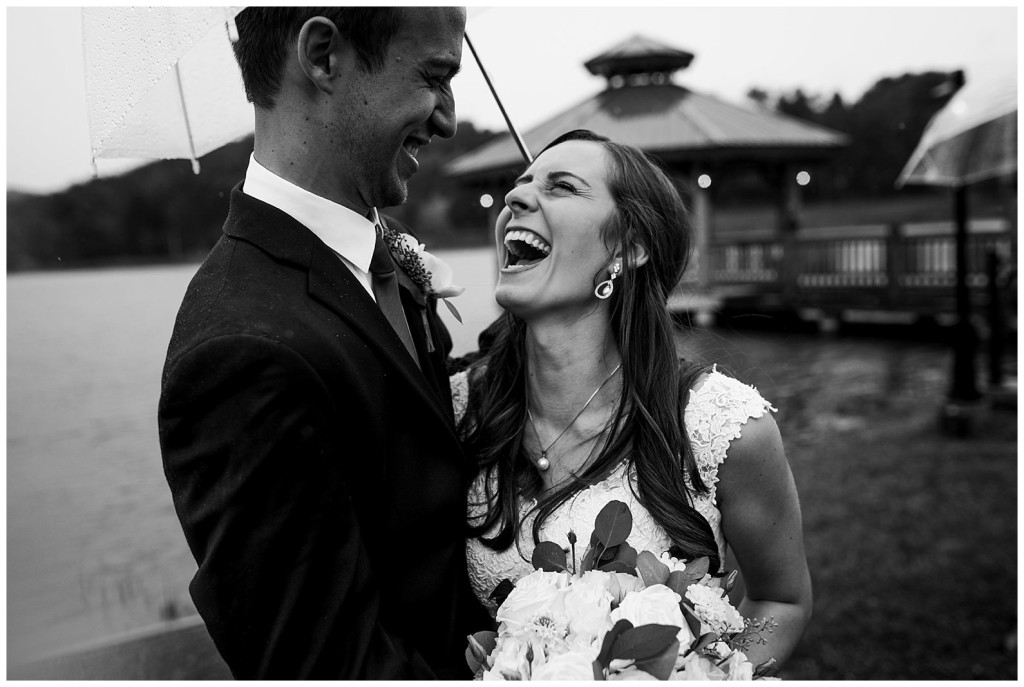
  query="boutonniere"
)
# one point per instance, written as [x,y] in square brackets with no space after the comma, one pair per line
[431,275]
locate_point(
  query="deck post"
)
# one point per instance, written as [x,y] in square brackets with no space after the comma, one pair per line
[895,265]
[700,211]
[965,338]
[787,224]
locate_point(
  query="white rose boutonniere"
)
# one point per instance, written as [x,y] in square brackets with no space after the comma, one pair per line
[431,275]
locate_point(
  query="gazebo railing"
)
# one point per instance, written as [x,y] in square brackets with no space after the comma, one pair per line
[907,267]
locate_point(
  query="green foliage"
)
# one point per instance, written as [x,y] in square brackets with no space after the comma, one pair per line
[549,556]
[162,212]
[652,570]
[478,646]
[884,127]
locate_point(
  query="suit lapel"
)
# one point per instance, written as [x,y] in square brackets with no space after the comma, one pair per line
[330,283]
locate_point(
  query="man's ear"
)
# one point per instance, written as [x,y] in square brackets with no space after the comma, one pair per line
[318,52]
[635,255]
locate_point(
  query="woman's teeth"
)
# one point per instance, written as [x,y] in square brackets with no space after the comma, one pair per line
[525,247]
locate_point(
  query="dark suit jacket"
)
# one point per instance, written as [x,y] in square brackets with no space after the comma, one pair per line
[314,468]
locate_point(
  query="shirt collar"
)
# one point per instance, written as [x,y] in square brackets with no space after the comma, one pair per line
[345,231]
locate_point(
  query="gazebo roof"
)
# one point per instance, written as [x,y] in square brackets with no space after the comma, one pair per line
[636,55]
[643,108]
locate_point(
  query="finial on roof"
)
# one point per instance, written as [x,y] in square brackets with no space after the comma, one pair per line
[639,56]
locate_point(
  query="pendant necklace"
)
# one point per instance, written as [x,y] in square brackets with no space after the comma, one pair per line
[543,463]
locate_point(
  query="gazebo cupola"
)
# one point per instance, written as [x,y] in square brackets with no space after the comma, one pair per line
[639,61]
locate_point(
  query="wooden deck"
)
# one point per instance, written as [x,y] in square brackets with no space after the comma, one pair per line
[881,272]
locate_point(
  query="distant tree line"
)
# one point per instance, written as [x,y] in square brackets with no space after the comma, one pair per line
[163,212]
[884,126]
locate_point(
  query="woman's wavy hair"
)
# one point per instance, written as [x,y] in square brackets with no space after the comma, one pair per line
[647,427]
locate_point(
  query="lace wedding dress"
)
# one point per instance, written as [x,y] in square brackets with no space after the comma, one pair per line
[715,415]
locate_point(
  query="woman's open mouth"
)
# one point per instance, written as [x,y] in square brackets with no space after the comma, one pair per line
[524,249]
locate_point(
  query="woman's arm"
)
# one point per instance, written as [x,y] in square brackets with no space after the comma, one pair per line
[762,525]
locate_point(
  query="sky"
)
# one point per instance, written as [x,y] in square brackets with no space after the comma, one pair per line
[535,56]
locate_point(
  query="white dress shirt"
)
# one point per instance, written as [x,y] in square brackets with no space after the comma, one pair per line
[350,235]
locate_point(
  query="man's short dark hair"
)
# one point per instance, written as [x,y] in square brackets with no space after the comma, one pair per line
[265,35]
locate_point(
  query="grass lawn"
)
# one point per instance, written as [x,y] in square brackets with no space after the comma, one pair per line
[911,535]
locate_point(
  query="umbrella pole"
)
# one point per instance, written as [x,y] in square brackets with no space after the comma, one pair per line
[965,341]
[188,125]
[508,122]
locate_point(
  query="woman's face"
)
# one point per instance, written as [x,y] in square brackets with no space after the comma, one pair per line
[549,233]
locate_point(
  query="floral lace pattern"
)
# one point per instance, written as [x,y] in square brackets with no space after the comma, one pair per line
[715,416]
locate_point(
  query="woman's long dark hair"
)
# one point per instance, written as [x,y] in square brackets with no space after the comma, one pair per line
[647,428]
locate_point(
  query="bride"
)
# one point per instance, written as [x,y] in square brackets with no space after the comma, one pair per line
[581,399]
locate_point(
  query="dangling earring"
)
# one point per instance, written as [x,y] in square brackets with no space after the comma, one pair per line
[605,288]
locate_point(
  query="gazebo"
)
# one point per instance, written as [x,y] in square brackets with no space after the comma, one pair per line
[697,138]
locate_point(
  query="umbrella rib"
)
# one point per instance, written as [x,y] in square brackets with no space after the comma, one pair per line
[188,126]
[508,122]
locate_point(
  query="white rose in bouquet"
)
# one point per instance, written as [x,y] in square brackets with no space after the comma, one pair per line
[511,660]
[655,605]
[575,664]
[588,605]
[622,584]
[693,666]
[540,592]
[737,667]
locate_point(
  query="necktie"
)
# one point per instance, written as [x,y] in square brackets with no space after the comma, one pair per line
[385,290]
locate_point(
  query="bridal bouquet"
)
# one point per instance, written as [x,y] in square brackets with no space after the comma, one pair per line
[625,615]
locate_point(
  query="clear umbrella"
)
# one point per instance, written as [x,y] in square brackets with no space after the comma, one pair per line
[161,82]
[971,139]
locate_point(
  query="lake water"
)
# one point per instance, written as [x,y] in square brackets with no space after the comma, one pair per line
[93,546]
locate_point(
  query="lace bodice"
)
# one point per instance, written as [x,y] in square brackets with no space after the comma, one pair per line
[715,414]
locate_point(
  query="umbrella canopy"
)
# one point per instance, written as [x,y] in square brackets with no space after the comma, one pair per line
[161,82]
[972,138]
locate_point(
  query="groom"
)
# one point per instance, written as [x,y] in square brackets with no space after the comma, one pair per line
[305,418]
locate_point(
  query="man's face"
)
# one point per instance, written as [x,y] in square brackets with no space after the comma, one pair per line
[385,116]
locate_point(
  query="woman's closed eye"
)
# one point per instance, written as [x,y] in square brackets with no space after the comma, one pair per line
[563,185]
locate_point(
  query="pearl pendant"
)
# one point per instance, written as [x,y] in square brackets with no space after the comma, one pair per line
[543,463]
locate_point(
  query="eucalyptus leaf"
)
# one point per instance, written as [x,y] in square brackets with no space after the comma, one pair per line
[644,642]
[609,554]
[704,641]
[604,657]
[626,554]
[662,665]
[652,570]
[698,568]
[618,567]
[613,524]
[549,556]
[678,581]
[479,647]
[589,559]
[692,621]
[502,591]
